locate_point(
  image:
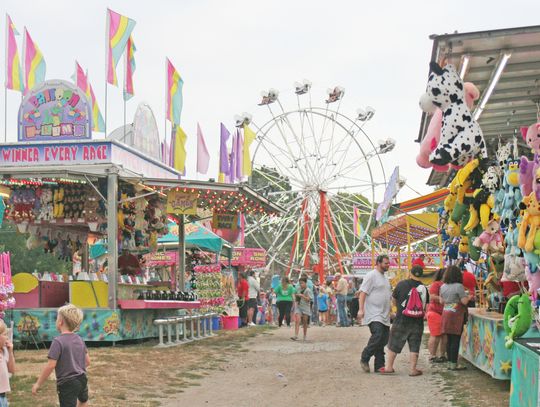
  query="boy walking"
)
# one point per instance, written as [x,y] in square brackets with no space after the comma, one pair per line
[68,357]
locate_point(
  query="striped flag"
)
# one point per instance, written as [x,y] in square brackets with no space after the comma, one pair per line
[180,138]
[130,69]
[356,222]
[34,63]
[119,29]
[174,94]
[14,76]
[81,79]
[249,137]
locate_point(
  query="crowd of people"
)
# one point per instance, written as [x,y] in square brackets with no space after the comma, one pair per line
[334,302]
[395,317]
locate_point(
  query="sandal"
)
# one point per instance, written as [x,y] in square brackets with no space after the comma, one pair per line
[433,359]
[382,370]
[441,359]
[416,373]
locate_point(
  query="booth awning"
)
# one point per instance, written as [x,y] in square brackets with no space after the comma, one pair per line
[196,237]
[423,201]
[394,232]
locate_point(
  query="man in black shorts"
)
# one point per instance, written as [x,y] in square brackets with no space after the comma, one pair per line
[407,328]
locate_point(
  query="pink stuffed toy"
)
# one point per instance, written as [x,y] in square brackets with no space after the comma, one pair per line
[433,133]
[529,170]
[491,239]
[534,282]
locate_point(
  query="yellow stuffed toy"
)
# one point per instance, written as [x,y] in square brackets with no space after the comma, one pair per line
[530,223]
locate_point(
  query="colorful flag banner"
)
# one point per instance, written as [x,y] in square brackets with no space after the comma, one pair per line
[174,94]
[14,76]
[249,137]
[356,222]
[98,124]
[203,157]
[223,152]
[130,69]
[81,80]
[239,153]
[119,29]
[232,162]
[34,63]
[179,149]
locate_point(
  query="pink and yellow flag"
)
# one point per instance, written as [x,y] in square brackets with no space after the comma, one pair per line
[129,92]
[81,79]
[14,76]
[174,94]
[34,63]
[119,30]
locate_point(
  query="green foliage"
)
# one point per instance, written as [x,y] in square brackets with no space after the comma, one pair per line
[24,260]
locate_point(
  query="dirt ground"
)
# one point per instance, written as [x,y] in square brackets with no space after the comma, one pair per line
[325,371]
[259,367]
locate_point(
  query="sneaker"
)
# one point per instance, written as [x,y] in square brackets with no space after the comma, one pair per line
[294,338]
[365,366]
[252,324]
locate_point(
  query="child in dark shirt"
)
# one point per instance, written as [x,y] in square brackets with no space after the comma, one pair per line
[68,357]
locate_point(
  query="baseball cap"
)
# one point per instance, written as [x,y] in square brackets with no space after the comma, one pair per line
[417,271]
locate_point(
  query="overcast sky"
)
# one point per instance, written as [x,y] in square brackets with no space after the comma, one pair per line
[228,51]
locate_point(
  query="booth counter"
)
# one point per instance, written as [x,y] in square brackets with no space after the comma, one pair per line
[524,389]
[482,343]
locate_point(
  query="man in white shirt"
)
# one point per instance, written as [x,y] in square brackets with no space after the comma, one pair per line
[254,289]
[374,310]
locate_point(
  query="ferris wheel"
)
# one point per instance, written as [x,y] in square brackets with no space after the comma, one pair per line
[321,166]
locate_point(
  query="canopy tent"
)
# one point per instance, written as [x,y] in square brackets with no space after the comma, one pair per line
[406,229]
[197,236]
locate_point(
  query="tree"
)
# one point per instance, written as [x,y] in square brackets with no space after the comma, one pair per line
[25,260]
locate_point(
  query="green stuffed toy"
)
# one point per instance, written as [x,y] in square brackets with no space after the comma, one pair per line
[518,316]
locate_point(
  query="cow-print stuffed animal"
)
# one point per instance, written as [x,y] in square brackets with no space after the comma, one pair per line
[461,137]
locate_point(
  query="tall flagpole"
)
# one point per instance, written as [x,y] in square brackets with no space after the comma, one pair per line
[165,122]
[5,84]
[124,90]
[107,62]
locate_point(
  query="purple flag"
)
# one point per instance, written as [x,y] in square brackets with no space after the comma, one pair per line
[239,154]
[232,168]
[223,153]
[203,158]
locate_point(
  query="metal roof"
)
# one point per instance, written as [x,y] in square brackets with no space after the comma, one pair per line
[513,102]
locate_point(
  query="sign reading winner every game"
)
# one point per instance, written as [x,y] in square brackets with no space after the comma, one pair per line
[55,111]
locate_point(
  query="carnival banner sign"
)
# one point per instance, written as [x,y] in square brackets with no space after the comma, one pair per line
[182,203]
[225,220]
[55,110]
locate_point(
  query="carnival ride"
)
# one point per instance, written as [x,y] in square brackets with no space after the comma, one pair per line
[321,166]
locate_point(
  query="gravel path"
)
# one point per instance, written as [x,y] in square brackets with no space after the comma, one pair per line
[324,371]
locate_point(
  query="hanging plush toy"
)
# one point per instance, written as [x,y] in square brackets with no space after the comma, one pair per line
[529,224]
[518,316]
[491,239]
[461,137]
[433,133]
[529,169]
[509,196]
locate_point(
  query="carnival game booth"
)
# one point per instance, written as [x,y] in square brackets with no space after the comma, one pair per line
[491,214]
[66,190]
[398,235]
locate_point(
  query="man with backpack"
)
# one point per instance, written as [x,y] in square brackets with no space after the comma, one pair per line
[410,298]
